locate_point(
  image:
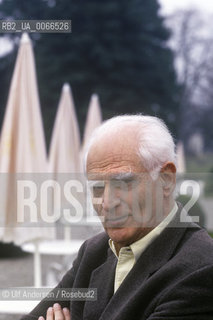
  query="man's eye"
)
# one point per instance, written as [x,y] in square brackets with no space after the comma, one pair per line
[116,184]
[98,191]
[123,184]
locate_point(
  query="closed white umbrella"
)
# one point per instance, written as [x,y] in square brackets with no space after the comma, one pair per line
[22,144]
[64,156]
[93,120]
[65,142]
[22,148]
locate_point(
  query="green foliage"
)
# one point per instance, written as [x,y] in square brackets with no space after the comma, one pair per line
[6,69]
[199,165]
[117,49]
[205,123]
[209,184]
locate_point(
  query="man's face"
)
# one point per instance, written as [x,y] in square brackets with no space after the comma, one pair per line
[124,195]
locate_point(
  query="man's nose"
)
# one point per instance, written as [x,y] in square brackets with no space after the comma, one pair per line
[110,198]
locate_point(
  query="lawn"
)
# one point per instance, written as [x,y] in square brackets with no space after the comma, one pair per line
[200,165]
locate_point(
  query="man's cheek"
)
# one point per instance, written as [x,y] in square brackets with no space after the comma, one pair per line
[135,204]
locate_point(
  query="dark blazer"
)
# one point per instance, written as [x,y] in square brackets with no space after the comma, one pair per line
[172,279]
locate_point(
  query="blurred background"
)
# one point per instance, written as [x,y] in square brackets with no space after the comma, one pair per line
[146,56]
[149,56]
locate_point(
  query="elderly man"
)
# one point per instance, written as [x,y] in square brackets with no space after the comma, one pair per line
[152,262]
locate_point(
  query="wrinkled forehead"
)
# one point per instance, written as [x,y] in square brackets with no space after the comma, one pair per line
[114,155]
[113,174]
[109,165]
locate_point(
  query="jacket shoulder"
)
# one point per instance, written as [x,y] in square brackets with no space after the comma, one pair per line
[196,248]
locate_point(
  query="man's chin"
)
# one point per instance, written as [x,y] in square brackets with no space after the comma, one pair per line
[119,235]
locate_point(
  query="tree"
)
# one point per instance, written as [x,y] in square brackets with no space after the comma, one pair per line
[117,49]
[192,43]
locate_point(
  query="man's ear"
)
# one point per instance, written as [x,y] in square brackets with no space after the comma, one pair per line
[168,177]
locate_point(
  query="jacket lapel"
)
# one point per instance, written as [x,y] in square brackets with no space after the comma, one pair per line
[101,278]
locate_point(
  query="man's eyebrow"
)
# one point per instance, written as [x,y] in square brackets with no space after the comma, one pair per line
[115,176]
[95,183]
[123,176]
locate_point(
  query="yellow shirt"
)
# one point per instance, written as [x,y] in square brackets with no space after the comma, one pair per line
[129,255]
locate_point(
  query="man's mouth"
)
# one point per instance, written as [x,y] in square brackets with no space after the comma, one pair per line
[116,221]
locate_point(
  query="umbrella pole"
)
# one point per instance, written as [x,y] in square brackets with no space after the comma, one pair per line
[67,233]
[37,265]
